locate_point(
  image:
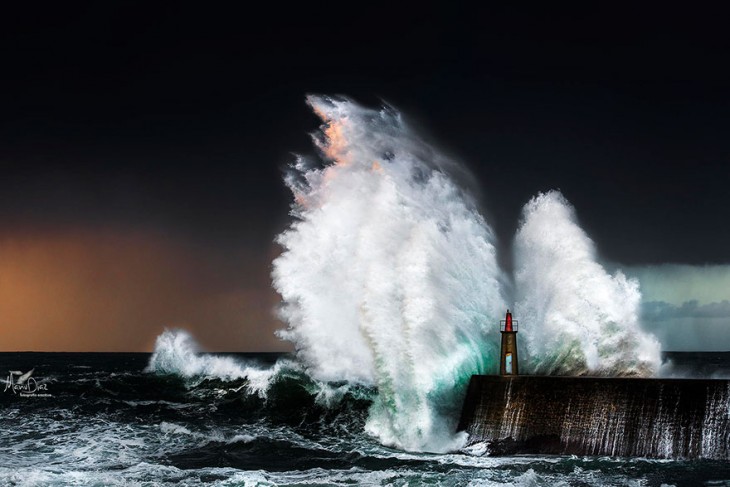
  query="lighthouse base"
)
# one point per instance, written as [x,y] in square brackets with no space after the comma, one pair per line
[659,418]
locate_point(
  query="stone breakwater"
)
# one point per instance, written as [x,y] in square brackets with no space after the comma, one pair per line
[656,418]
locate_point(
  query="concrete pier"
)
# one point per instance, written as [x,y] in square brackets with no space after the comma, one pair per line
[655,418]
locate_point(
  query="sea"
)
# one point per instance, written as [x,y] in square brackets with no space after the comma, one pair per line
[99,419]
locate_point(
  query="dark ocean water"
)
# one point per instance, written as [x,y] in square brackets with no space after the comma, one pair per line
[101,419]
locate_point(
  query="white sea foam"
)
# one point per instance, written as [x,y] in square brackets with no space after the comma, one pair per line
[580,318]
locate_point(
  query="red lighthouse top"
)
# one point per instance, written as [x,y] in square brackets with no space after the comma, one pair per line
[507,325]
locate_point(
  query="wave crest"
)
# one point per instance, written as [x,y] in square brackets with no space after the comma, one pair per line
[177,353]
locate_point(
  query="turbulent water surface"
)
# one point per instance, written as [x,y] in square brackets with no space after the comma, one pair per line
[391,293]
[187,419]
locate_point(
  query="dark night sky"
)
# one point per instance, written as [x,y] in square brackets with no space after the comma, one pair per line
[176,119]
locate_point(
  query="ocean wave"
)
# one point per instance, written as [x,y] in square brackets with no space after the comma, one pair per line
[176,353]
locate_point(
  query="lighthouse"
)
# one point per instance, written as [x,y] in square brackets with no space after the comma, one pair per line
[508,355]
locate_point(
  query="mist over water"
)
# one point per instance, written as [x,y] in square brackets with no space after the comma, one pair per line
[581,319]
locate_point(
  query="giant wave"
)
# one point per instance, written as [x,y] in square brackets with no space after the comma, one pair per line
[390,284]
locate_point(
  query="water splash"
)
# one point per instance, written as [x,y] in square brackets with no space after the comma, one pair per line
[388,275]
[389,278]
[582,319]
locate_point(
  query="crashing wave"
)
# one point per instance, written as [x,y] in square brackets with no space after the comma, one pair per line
[389,282]
[582,320]
[389,274]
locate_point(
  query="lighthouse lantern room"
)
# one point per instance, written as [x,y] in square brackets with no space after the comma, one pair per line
[508,357]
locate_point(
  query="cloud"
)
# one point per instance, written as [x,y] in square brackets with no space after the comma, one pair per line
[663,311]
[690,326]
[677,283]
[686,307]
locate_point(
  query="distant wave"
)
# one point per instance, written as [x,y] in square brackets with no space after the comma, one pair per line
[176,353]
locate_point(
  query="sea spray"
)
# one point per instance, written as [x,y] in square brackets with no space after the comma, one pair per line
[388,274]
[581,318]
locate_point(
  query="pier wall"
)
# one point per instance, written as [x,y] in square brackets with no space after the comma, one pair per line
[657,418]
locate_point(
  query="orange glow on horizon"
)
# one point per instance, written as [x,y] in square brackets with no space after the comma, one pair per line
[87,291]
